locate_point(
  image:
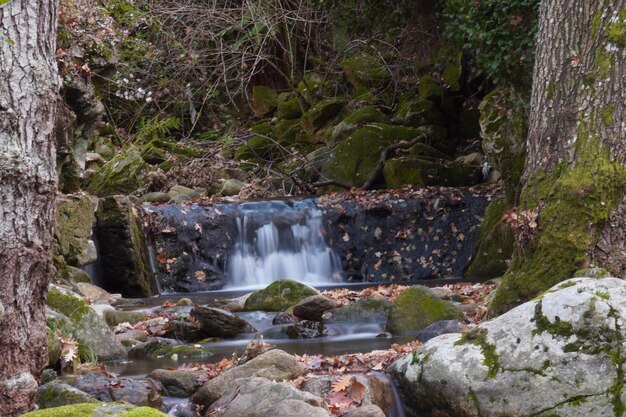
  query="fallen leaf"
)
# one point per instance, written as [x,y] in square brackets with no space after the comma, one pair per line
[342,384]
[346,238]
[357,391]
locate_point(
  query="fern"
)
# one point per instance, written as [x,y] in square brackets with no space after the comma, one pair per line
[156,128]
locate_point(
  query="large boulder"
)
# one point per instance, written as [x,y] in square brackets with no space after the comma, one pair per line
[274,365]
[313,307]
[178,383]
[74,221]
[76,319]
[57,393]
[425,171]
[259,397]
[108,388]
[279,295]
[264,100]
[215,322]
[366,72]
[558,355]
[123,174]
[417,308]
[367,310]
[97,410]
[321,114]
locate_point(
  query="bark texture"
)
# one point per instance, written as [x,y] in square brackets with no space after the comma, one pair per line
[28,98]
[574,175]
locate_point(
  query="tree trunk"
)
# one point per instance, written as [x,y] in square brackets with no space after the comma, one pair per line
[28,98]
[574,176]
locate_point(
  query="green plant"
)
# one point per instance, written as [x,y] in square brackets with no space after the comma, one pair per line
[156,128]
[498,35]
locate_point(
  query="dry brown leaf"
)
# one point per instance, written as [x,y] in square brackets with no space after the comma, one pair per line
[342,384]
[357,391]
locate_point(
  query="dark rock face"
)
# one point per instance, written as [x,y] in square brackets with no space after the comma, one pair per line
[109,389]
[393,236]
[220,323]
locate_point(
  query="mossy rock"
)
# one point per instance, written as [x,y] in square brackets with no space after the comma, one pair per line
[429,89]
[123,174]
[264,100]
[74,221]
[279,295]
[256,148]
[263,127]
[56,394]
[504,127]
[289,107]
[353,160]
[417,308]
[155,349]
[321,114]
[415,111]
[366,71]
[96,410]
[102,146]
[411,170]
[358,118]
[115,317]
[286,131]
[368,310]
[469,121]
[79,321]
[495,243]
[314,87]
[426,151]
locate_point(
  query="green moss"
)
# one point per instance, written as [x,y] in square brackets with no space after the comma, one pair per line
[142,412]
[365,71]
[289,107]
[596,24]
[321,114]
[558,328]
[286,131]
[76,410]
[99,409]
[577,200]
[415,111]
[429,88]
[417,308]
[71,306]
[616,30]
[608,115]
[550,89]
[495,242]
[123,174]
[264,99]
[605,61]
[478,337]
[278,296]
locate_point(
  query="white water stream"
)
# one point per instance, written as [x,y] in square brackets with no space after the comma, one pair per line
[280,240]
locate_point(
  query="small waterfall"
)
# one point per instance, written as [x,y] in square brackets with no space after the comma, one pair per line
[281,240]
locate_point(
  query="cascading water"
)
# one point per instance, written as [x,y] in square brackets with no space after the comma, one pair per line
[281,240]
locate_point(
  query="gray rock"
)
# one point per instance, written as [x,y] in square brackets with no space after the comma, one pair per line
[74,221]
[259,397]
[361,311]
[215,322]
[365,411]
[94,293]
[439,328]
[313,307]
[274,365]
[179,193]
[155,197]
[107,388]
[296,408]
[178,383]
[56,394]
[115,317]
[555,355]
[232,187]
[138,335]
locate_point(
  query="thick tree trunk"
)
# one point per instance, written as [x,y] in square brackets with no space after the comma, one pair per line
[575,175]
[28,97]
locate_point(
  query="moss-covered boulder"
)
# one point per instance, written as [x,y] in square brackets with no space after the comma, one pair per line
[314,87]
[123,174]
[74,223]
[426,151]
[257,148]
[115,317]
[57,393]
[504,127]
[264,100]
[355,120]
[157,348]
[366,71]
[279,295]
[352,161]
[415,111]
[495,243]
[286,131]
[289,107]
[123,249]
[179,193]
[79,321]
[411,170]
[97,410]
[417,308]
[321,114]
[429,88]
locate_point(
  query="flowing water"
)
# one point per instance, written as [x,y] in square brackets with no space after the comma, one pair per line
[281,240]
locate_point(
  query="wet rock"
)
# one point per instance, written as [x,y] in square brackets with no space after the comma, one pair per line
[178,194]
[279,295]
[259,397]
[439,328]
[97,410]
[562,344]
[178,383]
[220,323]
[284,317]
[274,365]
[416,308]
[159,347]
[107,388]
[56,394]
[313,307]
[365,411]
[123,250]
[183,330]
[368,310]
[78,320]
[155,197]
[132,335]
[306,329]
